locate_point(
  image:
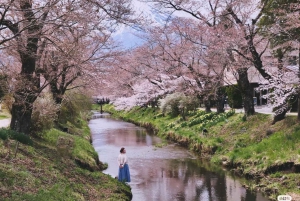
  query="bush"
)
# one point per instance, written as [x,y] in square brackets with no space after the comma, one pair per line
[6,133]
[235,99]
[74,105]
[44,113]
[170,104]
[190,103]
[22,138]
[178,103]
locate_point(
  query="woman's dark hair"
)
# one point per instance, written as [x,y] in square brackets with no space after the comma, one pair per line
[122,149]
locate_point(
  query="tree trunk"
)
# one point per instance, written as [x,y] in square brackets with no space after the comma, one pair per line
[28,82]
[207,105]
[279,55]
[298,106]
[21,116]
[56,93]
[220,100]
[101,111]
[298,109]
[58,98]
[246,90]
[25,95]
[183,114]
[280,116]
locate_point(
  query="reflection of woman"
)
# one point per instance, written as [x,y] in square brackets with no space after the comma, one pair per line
[124,174]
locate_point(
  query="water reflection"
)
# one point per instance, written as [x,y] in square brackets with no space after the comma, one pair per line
[167,173]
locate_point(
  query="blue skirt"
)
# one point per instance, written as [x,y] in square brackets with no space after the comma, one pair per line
[124,174]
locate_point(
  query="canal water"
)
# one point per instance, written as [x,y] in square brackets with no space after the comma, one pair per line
[162,171]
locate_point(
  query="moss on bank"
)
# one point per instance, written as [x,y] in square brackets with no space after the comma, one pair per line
[251,147]
[58,166]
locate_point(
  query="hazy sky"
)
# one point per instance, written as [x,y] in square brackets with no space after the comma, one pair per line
[126,35]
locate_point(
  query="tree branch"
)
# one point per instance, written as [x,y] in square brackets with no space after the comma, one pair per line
[241,54]
[13,27]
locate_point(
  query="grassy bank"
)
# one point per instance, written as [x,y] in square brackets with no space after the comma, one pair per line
[251,147]
[56,166]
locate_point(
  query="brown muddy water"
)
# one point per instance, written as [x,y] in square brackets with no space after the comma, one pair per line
[163,173]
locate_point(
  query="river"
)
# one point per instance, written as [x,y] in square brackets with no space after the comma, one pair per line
[163,171]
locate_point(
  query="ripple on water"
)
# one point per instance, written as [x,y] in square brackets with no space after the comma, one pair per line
[162,174]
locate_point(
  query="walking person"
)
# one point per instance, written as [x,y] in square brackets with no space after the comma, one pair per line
[124,174]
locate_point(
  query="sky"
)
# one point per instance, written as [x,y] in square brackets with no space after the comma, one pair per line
[127,36]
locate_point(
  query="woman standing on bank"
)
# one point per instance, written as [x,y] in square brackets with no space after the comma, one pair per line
[124,174]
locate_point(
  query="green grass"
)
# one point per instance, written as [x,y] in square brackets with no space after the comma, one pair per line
[253,146]
[47,170]
[276,149]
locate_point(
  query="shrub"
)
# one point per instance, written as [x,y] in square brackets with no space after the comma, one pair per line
[190,104]
[178,103]
[20,137]
[44,113]
[74,105]
[234,96]
[170,104]
[6,133]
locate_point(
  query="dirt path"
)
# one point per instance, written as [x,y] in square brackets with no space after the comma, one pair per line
[263,110]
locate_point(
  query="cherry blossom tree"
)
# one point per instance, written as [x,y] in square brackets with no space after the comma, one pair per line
[149,91]
[28,26]
[187,47]
[178,52]
[143,66]
[243,17]
[281,91]
[76,56]
[280,25]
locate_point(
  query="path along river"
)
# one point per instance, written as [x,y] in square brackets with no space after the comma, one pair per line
[163,173]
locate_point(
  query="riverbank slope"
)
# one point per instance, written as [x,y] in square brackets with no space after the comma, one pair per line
[55,166]
[252,147]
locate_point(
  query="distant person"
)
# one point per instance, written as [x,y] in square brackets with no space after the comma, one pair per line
[124,174]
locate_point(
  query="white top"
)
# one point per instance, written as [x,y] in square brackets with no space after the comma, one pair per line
[122,159]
